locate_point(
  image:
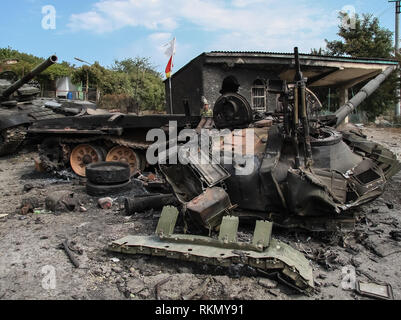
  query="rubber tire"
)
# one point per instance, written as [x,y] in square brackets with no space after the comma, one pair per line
[96,190]
[116,173]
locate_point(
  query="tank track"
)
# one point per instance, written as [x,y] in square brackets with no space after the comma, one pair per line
[11,139]
[45,149]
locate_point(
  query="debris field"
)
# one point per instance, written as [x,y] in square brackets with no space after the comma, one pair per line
[54,240]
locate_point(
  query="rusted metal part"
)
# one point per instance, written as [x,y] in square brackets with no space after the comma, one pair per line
[263,124]
[55,152]
[209,207]
[130,141]
[200,190]
[244,142]
[126,155]
[83,155]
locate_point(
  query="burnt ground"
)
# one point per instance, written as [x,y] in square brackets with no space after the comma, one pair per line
[29,248]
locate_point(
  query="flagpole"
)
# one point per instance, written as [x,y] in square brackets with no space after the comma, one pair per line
[169,69]
[171,96]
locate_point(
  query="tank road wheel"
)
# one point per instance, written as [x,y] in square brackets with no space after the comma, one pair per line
[84,155]
[126,155]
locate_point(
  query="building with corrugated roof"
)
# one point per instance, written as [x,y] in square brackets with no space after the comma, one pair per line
[248,73]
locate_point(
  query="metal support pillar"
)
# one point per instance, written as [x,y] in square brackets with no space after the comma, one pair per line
[397,47]
[343,93]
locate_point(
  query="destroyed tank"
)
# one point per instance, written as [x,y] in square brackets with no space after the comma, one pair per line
[76,142]
[304,170]
[293,167]
[20,106]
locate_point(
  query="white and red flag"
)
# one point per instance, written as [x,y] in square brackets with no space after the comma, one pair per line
[170,52]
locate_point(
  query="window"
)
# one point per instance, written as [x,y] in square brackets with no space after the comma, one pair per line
[230,85]
[259,96]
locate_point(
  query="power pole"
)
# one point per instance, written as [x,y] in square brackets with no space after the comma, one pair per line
[397,47]
[87,79]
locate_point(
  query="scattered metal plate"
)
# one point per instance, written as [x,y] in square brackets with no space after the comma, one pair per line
[375,290]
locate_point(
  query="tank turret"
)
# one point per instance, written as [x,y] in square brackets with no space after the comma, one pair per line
[19,108]
[6,94]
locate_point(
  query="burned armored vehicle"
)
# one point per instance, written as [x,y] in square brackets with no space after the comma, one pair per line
[293,167]
[77,142]
[20,106]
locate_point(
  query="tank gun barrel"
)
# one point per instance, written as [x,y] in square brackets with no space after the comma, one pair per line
[298,72]
[362,95]
[28,77]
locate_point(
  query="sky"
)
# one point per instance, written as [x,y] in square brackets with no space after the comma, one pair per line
[105,30]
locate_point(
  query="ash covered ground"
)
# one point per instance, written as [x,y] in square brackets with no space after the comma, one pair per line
[30,248]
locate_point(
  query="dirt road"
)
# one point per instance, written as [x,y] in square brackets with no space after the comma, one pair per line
[32,265]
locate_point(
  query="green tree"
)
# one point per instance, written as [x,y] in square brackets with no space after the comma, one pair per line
[27,62]
[93,75]
[368,39]
[146,84]
[135,78]
[131,66]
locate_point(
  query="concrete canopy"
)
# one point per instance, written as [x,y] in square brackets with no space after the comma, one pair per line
[321,71]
